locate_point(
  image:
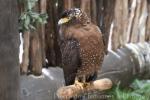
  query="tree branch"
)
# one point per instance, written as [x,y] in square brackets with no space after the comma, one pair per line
[66,92]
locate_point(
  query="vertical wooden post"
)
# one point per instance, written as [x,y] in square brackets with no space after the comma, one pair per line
[100,8]
[49,35]
[42,32]
[25,57]
[120,21]
[132,6]
[35,49]
[9,50]
[68,4]
[77,3]
[54,9]
[124,21]
[142,21]
[134,32]
[93,12]
[86,6]
[147,37]
[35,53]
[139,21]
[107,16]
[55,21]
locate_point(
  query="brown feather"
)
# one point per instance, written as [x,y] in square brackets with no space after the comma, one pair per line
[82,47]
[91,47]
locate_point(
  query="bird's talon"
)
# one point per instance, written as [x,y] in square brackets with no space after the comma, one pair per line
[86,84]
[82,85]
[79,84]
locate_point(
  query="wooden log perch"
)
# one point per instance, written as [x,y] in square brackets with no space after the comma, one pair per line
[66,92]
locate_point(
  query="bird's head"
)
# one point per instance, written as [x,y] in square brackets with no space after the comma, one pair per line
[74,15]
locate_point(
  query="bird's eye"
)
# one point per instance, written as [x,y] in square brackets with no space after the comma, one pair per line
[65,14]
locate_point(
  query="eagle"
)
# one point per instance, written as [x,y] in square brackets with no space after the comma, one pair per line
[82,47]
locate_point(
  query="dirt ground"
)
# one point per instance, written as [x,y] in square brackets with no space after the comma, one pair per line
[43,87]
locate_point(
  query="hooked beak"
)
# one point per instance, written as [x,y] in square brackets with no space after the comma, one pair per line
[63,20]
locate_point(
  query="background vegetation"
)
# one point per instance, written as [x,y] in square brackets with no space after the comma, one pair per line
[139,90]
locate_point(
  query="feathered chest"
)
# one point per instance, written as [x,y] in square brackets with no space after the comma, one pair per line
[81,33]
[85,41]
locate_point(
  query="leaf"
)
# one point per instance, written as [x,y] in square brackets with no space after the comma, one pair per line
[30,19]
[31,4]
[141,91]
[34,15]
[32,27]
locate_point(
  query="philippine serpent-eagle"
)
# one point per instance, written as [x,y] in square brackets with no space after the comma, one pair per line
[82,47]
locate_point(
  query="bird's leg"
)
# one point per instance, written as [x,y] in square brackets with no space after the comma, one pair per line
[85,84]
[77,83]
[84,81]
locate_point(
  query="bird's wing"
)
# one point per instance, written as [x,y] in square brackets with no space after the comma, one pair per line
[70,59]
[91,49]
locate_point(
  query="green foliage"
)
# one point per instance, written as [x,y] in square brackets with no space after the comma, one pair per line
[140,90]
[29,19]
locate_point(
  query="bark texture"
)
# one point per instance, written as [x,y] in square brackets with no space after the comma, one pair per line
[9,48]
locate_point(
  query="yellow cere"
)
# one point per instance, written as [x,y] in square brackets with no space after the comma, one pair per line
[63,20]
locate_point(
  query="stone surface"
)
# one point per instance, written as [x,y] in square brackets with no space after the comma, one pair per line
[42,87]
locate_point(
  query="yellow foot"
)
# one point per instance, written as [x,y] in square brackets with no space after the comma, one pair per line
[82,84]
[86,84]
[79,84]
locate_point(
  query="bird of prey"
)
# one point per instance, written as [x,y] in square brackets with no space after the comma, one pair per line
[82,47]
